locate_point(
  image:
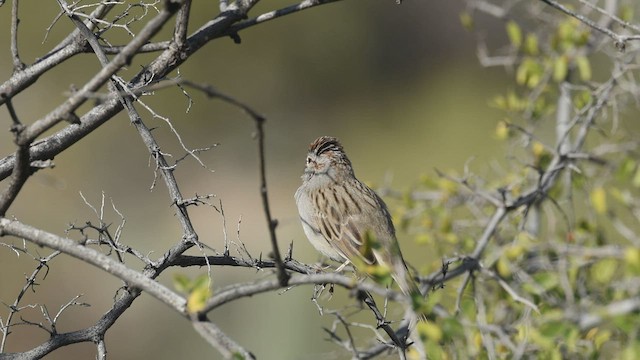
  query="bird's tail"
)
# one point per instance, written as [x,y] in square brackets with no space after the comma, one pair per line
[410,287]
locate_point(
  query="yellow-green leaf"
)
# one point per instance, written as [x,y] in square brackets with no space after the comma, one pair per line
[538,149]
[560,69]
[502,130]
[514,251]
[603,270]
[584,68]
[379,273]
[582,99]
[466,20]
[522,73]
[201,281]
[531,44]
[601,338]
[429,330]
[198,299]
[182,283]
[598,198]
[632,256]
[504,267]
[514,33]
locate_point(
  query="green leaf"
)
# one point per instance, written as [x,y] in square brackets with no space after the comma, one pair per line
[514,33]
[379,273]
[626,169]
[598,199]
[201,281]
[452,328]
[182,283]
[198,299]
[632,258]
[582,99]
[529,73]
[531,45]
[429,331]
[560,69]
[466,20]
[502,130]
[499,102]
[603,270]
[584,68]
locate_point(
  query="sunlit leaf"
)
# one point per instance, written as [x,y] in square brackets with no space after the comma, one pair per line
[531,44]
[601,337]
[537,148]
[499,102]
[582,99]
[380,274]
[429,330]
[502,130]
[584,68]
[514,33]
[603,270]
[560,69]
[434,350]
[424,239]
[514,251]
[598,199]
[198,298]
[632,257]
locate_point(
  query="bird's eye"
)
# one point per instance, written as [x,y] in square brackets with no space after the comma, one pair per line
[308,160]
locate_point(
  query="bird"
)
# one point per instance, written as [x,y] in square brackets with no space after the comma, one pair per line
[344,219]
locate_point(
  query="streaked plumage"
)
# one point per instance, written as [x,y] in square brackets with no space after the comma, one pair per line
[340,214]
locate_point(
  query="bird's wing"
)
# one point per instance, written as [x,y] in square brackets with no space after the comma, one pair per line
[356,229]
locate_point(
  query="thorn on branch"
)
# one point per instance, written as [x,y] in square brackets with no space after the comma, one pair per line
[289,256]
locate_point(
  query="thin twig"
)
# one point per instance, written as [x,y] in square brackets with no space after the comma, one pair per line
[93,257]
[620,40]
[283,276]
[65,111]
[18,65]
[182,25]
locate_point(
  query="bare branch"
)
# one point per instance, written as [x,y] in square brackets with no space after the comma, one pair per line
[90,256]
[219,340]
[620,40]
[224,296]
[18,65]
[283,276]
[271,15]
[182,25]
[66,110]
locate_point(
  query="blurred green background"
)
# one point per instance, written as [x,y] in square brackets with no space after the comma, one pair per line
[399,85]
